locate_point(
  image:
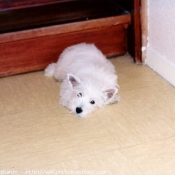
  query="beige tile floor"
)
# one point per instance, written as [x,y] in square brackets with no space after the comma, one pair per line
[133,137]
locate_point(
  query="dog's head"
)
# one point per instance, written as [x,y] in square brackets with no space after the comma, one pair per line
[85,97]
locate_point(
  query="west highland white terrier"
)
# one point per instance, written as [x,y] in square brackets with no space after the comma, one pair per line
[89,79]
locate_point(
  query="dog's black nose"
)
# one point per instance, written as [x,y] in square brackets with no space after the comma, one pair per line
[79,110]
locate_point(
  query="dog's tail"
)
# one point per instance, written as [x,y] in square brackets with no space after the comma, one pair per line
[50,70]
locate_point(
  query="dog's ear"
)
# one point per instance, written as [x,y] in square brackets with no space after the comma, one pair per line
[109,95]
[73,80]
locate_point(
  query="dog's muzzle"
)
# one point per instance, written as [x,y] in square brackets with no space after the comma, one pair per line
[79,110]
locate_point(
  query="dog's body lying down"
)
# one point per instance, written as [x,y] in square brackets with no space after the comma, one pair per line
[89,79]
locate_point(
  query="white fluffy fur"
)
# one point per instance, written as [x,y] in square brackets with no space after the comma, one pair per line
[89,79]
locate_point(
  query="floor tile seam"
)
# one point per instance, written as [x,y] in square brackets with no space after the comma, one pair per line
[146,142]
[110,133]
[142,143]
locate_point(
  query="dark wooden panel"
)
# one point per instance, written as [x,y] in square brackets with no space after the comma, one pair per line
[35,54]
[54,14]
[17,4]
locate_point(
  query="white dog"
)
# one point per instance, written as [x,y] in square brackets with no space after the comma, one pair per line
[89,79]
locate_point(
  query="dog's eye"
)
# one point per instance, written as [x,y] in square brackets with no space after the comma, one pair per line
[92,102]
[79,95]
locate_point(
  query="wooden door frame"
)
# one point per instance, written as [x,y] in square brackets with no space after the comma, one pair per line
[144,28]
[137,31]
[134,30]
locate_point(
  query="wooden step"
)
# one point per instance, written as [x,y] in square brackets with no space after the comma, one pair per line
[33,37]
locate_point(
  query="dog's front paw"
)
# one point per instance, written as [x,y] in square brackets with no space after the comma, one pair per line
[116,99]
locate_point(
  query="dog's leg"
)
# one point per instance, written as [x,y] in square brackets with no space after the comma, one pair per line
[50,70]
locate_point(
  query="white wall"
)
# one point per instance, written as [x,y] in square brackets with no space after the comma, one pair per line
[161,38]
